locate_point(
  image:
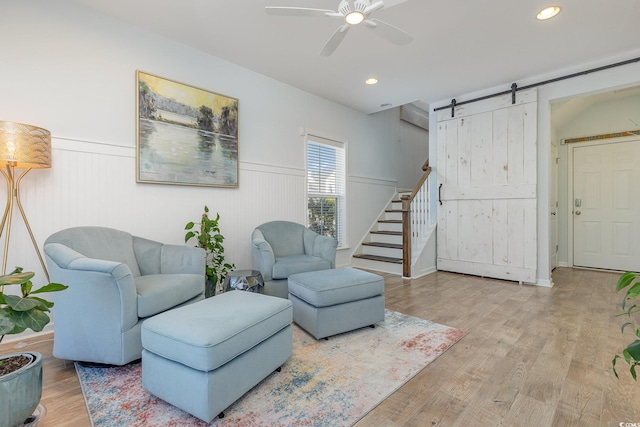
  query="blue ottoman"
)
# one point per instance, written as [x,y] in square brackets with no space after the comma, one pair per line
[331,302]
[205,356]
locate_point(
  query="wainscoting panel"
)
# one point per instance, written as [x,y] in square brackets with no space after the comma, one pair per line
[95,184]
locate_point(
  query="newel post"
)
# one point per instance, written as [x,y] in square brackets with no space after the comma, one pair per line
[406,236]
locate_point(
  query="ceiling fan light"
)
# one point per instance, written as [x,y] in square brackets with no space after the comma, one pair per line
[354,18]
[548,13]
[371,81]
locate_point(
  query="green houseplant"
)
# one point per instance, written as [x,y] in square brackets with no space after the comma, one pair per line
[21,373]
[631,354]
[209,238]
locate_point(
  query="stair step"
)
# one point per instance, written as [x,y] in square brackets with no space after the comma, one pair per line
[389,233]
[390,221]
[393,210]
[383,245]
[379,258]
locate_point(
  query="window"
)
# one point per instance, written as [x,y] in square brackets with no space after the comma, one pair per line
[326,201]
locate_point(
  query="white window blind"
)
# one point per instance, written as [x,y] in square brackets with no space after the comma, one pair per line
[326,187]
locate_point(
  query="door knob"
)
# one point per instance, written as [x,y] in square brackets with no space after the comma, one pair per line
[578,212]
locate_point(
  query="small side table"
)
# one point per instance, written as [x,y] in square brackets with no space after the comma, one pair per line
[244,280]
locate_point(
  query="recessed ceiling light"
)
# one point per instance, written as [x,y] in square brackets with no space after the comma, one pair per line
[385,105]
[354,18]
[371,81]
[548,12]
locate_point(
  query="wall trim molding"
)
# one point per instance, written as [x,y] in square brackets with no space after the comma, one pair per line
[263,167]
[373,181]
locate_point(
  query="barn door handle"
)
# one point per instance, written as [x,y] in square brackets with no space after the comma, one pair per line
[440,194]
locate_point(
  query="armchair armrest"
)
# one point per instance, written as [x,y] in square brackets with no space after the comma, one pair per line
[179,259]
[325,248]
[263,256]
[91,280]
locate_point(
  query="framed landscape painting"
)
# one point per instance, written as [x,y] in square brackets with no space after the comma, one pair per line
[185,135]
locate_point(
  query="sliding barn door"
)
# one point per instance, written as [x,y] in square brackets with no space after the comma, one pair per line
[487,188]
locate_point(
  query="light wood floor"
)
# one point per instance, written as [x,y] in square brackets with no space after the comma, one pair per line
[532,356]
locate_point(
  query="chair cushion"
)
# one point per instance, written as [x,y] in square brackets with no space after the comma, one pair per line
[160,292]
[337,286]
[286,266]
[207,334]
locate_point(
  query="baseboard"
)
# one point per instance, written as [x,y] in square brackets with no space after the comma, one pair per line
[28,335]
[423,273]
[545,283]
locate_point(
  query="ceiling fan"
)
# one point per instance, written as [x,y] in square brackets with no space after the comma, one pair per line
[353,12]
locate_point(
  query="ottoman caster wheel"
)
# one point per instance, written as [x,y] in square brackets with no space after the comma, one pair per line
[221,415]
[372,326]
[279,369]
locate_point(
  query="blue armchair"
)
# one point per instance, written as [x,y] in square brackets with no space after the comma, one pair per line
[283,248]
[115,281]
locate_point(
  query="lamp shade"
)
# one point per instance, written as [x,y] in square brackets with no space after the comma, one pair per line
[24,146]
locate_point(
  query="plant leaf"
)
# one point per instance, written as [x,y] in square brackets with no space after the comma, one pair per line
[625,325]
[34,319]
[44,304]
[189,226]
[6,322]
[16,279]
[634,350]
[625,280]
[633,292]
[21,304]
[51,287]
[189,236]
[613,365]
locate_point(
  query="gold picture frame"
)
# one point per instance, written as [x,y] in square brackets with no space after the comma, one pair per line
[184,135]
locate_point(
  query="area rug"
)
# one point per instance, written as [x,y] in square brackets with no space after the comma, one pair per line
[331,382]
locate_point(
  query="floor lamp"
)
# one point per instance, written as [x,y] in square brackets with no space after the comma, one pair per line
[24,147]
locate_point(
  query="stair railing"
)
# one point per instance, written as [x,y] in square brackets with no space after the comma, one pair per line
[415,219]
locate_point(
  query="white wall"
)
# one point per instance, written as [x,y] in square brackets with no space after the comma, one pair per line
[413,150]
[618,77]
[615,115]
[72,71]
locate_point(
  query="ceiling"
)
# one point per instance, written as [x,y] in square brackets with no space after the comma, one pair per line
[459,46]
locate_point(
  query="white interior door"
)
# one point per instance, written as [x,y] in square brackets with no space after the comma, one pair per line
[606,208]
[486,171]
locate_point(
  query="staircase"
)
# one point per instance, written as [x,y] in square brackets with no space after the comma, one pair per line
[403,239]
[382,249]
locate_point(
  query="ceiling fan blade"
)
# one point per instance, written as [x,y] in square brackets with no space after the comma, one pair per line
[391,3]
[334,41]
[376,5]
[296,11]
[388,32]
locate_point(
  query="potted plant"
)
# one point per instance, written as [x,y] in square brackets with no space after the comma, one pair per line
[21,373]
[631,354]
[209,238]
